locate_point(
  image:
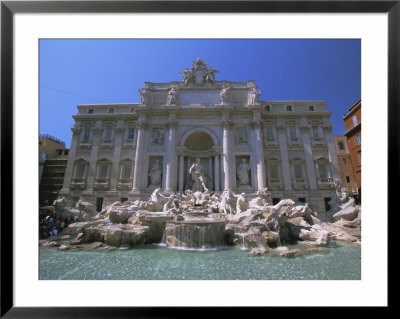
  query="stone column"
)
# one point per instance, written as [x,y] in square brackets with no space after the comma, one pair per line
[115,165]
[181,173]
[139,162]
[95,143]
[259,152]
[287,182]
[69,171]
[170,174]
[216,173]
[305,135]
[332,152]
[226,156]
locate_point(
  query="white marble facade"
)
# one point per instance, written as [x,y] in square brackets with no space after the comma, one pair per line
[125,151]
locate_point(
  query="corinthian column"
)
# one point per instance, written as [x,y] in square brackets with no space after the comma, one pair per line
[305,134]
[287,182]
[226,156]
[259,152]
[170,174]
[332,151]
[139,159]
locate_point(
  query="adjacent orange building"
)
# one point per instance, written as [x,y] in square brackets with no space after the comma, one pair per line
[352,124]
[346,171]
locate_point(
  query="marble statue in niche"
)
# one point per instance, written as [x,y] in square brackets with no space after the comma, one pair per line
[157,136]
[197,173]
[243,173]
[155,173]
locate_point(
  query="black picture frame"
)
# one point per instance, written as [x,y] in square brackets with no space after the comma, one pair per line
[9,8]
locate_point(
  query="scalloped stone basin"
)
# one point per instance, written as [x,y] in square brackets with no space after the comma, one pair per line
[194,234]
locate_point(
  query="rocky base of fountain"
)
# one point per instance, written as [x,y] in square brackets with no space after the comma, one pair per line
[203,220]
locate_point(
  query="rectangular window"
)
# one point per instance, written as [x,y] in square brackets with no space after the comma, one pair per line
[359,157]
[358,139]
[302,199]
[111,110]
[347,179]
[323,172]
[126,171]
[311,108]
[292,132]
[108,134]
[315,131]
[123,199]
[298,172]
[268,108]
[90,111]
[103,170]
[270,132]
[289,108]
[355,120]
[131,133]
[86,134]
[80,170]
[273,172]
[341,146]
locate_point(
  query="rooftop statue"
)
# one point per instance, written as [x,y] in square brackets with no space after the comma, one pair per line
[254,95]
[199,73]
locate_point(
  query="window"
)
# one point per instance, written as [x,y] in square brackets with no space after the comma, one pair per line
[341,146]
[275,200]
[268,108]
[292,132]
[323,171]
[302,199]
[103,171]
[344,161]
[123,199]
[86,134]
[273,172]
[358,139]
[347,179]
[108,134]
[311,108]
[90,111]
[111,110]
[131,133]
[359,157]
[270,132]
[289,108]
[355,120]
[315,131]
[298,171]
[80,170]
[126,171]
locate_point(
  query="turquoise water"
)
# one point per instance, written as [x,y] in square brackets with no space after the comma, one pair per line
[153,262]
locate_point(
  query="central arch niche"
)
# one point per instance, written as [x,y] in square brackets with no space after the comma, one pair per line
[199,141]
[199,144]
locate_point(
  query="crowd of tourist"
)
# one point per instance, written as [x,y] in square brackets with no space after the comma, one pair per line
[51,225]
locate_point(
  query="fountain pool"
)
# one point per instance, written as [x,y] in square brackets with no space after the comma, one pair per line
[154,262]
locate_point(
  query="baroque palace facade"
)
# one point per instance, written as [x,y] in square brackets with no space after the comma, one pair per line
[125,151]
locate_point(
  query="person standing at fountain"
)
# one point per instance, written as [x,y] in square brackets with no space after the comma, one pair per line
[199,181]
[243,173]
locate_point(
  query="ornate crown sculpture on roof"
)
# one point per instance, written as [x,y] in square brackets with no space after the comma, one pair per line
[199,73]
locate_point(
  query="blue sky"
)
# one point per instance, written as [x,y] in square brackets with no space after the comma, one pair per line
[76,72]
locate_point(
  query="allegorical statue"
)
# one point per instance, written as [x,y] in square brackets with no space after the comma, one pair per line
[171,100]
[198,178]
[155,174]
[224,94]
[254,95]
[188,75]
[209,75]
[144,96]
[199,64]
[243,173]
